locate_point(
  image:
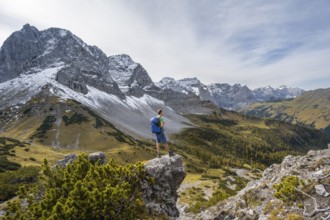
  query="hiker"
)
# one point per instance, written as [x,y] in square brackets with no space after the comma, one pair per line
[158,128]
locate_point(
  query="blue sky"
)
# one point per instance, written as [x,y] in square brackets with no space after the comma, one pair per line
[256,43]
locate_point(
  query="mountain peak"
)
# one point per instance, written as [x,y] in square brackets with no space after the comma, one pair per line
[189,81]
[28,27]
[167,80]
[130,76]
[30,51]
[122,60]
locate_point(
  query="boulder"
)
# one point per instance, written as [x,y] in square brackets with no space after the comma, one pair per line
[94,157]
[67,160]
[320,190]
[161,196]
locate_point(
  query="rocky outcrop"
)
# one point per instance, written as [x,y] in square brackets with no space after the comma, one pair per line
[168,173]
[257,200]
[160,195]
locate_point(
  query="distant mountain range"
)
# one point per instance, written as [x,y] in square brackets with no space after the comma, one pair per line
[226,96]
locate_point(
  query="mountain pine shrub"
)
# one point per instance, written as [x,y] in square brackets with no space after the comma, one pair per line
[83,190]
[286,189]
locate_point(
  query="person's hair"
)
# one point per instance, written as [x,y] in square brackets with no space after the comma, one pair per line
[159,111]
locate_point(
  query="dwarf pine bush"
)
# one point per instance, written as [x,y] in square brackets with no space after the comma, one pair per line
[286,189]
[83,190]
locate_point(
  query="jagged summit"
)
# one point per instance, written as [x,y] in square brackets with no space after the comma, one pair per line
[29,51]
[122,60]
[131,77]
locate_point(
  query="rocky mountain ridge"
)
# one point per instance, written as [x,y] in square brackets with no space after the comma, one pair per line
[231,97]
[55,62]
[30,51]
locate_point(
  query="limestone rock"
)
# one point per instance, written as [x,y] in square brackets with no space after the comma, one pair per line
[320,190]
[168,173]
[94,157]
[67,160]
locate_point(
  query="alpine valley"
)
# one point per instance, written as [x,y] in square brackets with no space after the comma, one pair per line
[60,96]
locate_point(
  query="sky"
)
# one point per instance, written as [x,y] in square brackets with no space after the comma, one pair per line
[255,43]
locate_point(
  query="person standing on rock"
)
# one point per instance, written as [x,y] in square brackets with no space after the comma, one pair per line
[160,136]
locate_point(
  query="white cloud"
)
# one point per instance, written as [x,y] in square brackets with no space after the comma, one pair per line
[256,43]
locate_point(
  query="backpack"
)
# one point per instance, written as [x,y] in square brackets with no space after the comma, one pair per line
[155,125]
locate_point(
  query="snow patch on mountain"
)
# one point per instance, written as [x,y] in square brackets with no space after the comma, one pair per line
[131,114]
[23,88]
[138,103]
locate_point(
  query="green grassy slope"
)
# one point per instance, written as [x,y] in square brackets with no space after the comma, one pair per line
[52,127]
[229,138]
[311,109]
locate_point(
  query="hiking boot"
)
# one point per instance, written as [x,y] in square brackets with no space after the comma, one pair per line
[171,153]
[158,155]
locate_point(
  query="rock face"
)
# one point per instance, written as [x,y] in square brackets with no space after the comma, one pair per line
[168,173]
[257,200]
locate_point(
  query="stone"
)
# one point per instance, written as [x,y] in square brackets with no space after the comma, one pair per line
[67,160]
[312,153]
[168,173]
[320,190]
[93,157]
[97,156]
